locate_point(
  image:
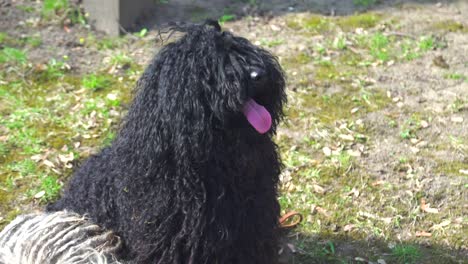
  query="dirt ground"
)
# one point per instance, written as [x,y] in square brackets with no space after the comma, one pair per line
[374,143]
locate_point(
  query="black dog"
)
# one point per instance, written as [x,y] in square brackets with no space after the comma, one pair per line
[192,176]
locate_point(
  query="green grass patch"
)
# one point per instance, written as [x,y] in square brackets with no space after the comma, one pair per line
[449,26]
[58,9]
[13,55]
[451,167]
[48,190]
[33,41]
[24,168]
[51,71]
[270,43]
[455,76]
[364,3]
[407,254]
[96,82]
[364,20]
[297,60]
[121,60]
[52,7]
[330,108]
[427,43]
[26,8]
[3,37]
[379,47]
[226,18]
[312,23]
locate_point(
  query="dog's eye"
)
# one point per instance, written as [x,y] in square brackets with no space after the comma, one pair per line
[255,76]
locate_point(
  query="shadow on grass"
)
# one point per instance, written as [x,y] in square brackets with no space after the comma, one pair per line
[227,10]
[300,248]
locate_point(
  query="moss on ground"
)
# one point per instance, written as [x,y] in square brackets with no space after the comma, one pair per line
[449,26]
[364,20]
[451,168]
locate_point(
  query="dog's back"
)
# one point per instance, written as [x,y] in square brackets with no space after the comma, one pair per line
[60,237]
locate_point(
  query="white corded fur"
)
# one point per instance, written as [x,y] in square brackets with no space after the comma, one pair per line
[59,237]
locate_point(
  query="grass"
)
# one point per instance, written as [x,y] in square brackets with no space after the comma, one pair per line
[53,9]
[364,3]
[53,70]
[271,43]
[407,254]
[95,82]
[226,18]
[338,118]
[449,26]
[50,7]
[364,20]
[379,47]
[49,189]
[455,76]
[13,55]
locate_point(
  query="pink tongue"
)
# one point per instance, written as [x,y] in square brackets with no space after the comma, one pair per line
[258,116]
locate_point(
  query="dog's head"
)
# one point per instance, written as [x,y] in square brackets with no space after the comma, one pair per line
[218,77]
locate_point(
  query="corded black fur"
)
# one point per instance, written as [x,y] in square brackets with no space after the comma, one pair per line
[188,180]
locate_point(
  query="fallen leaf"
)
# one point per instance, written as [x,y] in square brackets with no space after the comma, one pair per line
[442,224]
[431,210]
[322,211]
[313,208]
[439,61]
[354,153]
[423,234]
[292,248]
[48,163]
[39,194]
[426,208]
[346,137]
[327,151]
[349,227]
[111,97]
[318,189]
[354,192]
[360,259]
[280,251]
[386,220]
[457,119]
[66,158]
[421,144]
[415,150]
[275,28]
[377,183]
[424,124]
[36,157]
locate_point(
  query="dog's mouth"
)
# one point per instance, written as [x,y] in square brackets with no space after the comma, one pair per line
[257,115]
